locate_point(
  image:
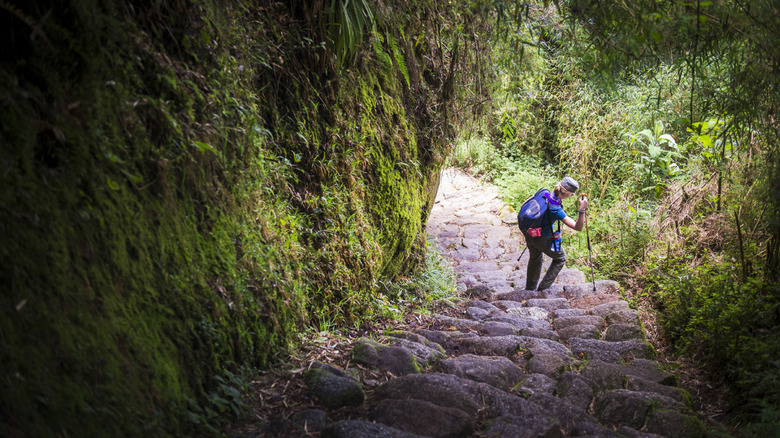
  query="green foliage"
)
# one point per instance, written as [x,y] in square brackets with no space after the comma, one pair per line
[184,193]
[348,22]
[683,205]
[433,282]
[658,158]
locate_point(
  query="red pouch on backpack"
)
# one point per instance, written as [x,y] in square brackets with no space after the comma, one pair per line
[535,232]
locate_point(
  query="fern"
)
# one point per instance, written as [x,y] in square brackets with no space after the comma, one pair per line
[399,58]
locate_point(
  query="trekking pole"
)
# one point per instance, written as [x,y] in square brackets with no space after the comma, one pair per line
[590,253]
[522,253]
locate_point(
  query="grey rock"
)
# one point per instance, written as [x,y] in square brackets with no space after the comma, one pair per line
[605,309]
[564,412]
[423,418]
[520,322]
[675,424]
[458,323]
[333,391]
[518,295]
[508,345]
[496,328]
[623,332]
[477,267]
[568,321]
[540,333]
[446,339]
[455,392]
[574,389]
[366,351]
[615,352]
[441,389]
[638,384]
[363,429]
[604,376]
[512,426]
[496,371]
[477,292]
[538,384]
[550,363]
[396,359]
[548,303]
[623,317]
[630,408]
[565,313]
[484,305]
[530,312]
[311,420]
[571,276]
[583,331]
[585,289]
[649,370]
[507,304]
[593,429]
[476,313]
[425,353]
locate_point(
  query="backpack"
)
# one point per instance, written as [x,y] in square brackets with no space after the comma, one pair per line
[531,213]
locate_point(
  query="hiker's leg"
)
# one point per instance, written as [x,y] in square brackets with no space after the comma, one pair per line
[558,260]
[534,261]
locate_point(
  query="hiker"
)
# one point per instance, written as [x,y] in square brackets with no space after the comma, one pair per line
[542,240]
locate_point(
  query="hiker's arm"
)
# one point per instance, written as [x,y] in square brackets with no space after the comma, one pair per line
[577,226]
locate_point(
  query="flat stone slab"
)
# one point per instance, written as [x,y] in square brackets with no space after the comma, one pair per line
[614,352]
[605,309]
[623,332]
[521,322]
[530,312]
[568,321]
[518,295]
[497,328]
[548,303]
[458,323]
[423,418]
[630,408]
[583,331]
[513,426]
[496,371]
[549,363]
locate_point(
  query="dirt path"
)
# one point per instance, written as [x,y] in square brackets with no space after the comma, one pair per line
[569,361]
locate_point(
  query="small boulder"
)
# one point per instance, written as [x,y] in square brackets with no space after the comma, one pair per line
[332,390]
[497,371]
[423,418]
[623,332]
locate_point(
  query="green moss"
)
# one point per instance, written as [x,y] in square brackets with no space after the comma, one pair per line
[179,205]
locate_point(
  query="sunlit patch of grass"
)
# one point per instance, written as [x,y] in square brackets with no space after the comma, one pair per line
[420,291]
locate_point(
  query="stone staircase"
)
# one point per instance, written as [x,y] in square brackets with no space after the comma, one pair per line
[507,362]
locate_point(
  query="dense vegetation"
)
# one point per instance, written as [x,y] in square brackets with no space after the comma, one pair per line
[187,188]
[665,112]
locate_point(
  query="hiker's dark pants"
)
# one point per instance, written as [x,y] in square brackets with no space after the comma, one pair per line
[536,247]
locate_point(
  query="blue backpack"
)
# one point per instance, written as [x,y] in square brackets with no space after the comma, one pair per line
[530,216]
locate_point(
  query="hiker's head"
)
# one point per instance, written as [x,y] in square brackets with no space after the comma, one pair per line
[567,187]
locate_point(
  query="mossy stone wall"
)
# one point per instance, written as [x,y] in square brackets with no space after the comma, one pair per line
[184,187]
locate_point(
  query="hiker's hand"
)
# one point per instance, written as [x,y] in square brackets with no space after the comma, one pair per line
[583,203]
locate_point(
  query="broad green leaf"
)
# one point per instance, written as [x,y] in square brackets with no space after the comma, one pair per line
[669,139]
[113,185]
[203,147]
